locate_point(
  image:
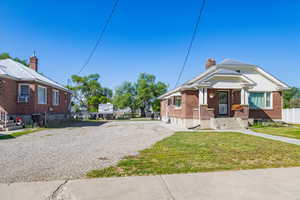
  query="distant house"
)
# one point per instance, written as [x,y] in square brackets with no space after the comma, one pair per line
[227,95]
[24,91]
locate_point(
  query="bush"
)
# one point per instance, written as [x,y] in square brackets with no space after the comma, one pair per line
[269,123]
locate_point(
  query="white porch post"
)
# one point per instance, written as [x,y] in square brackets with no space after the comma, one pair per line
[202,99]
[205,96]
[200,103]
[201,96]
[244,97]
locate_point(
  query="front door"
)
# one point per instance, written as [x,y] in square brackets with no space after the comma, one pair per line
[223,103]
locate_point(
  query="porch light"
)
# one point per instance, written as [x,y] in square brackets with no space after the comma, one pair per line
[211,95]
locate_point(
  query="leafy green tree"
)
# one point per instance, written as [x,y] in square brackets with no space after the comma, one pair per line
[288,95]
[295,103]
[125,96]
[6,55]
[148,91]
[142,94]
[160,89]
[88,93]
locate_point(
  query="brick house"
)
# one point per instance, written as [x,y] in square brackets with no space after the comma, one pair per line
[227,95]
[24,91]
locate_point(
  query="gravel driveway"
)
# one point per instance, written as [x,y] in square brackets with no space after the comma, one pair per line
[69,153]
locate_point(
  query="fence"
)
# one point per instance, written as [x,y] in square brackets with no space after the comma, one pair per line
[3,118]
[291,115]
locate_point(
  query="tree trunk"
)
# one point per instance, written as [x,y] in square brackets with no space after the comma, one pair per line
[143,113]
[132,113]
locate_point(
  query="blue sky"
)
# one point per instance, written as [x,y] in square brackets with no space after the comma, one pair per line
[152,36]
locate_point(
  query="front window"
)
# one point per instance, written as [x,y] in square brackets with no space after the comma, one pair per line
[55,97]
[260,100]
[42,95]
[24,93]
[177,101]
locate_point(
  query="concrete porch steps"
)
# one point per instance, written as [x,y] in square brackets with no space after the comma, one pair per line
[227,124]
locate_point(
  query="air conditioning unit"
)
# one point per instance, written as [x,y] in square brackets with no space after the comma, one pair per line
[23,99]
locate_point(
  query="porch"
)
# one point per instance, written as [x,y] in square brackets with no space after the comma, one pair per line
[223,108]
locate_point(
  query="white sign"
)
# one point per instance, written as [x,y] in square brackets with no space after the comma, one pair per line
[106,109]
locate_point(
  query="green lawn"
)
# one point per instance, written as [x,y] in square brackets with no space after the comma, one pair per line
[20,133]
[292,131]
[186,152]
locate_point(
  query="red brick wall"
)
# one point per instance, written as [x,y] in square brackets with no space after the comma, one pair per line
[275,113]
[63,101]
[213,102]
[8,95]
[243,113]
[163,107]
[206,113]
[25,108]
[9,103]
[189,102]
[170,109]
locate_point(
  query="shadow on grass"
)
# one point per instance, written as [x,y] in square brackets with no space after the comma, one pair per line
[6,137]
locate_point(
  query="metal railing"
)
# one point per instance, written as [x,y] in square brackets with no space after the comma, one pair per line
[4,117]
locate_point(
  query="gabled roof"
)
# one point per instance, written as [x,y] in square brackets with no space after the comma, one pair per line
[231,62]
[14,70]
[225,67]
[228,73]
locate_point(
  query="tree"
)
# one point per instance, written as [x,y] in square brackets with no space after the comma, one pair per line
[148,91]
[160,89]
[142,94]
[288,95]
[125,96]
[295,103]
[6,55]
[88,93]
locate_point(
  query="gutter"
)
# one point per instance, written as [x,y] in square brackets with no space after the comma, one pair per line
[38,81]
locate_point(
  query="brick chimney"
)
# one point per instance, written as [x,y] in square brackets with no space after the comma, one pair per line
[209,63]
[33,62]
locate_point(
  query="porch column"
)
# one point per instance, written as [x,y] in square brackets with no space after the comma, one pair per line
[244,96]
[205,96]
[205,113]
[202,96]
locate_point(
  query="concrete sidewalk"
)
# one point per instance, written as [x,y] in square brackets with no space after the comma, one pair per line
[281,183]
[272,137]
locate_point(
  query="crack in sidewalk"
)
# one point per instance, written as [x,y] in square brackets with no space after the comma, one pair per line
[57,191]
[164,183]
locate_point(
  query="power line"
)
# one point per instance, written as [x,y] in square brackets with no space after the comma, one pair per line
[100,36]
[191,42]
